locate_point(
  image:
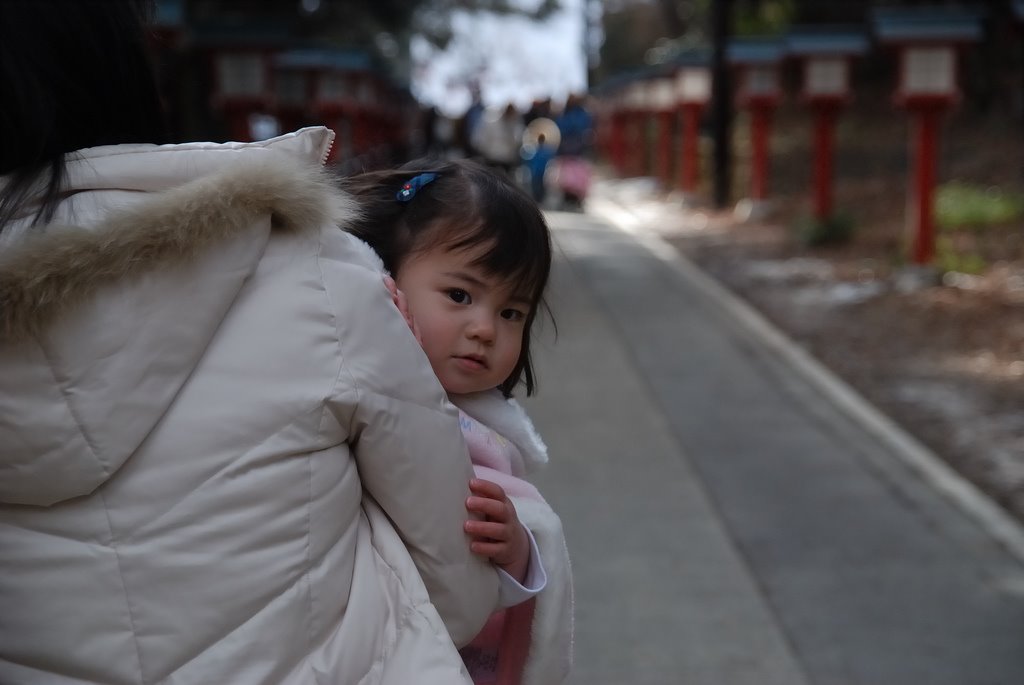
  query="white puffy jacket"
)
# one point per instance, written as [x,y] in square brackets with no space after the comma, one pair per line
[204,396]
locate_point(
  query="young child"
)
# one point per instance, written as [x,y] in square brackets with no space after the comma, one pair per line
[471,253]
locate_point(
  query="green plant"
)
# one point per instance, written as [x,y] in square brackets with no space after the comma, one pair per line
[964,205]
[834,230]
[949,258]
[767,17]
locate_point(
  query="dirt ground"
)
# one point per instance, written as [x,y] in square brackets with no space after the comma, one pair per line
[942,353]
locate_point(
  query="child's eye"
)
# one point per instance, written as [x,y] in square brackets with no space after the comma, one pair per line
[458,295]
[513,314]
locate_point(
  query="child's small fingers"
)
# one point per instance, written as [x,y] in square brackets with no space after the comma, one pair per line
[490,508]
[486,488]
[487,529]
[487,549]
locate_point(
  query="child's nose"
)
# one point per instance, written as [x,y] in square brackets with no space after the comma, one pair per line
[481,328]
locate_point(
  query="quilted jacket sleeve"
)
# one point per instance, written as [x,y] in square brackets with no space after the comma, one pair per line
[406,439]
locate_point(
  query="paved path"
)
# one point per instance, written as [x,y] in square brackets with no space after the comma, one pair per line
[731,523]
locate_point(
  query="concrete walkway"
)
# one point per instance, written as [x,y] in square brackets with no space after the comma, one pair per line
[732,523]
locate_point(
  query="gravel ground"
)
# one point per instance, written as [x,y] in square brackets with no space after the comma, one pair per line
[944,361]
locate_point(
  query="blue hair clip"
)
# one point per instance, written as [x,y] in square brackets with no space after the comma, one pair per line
[410,187]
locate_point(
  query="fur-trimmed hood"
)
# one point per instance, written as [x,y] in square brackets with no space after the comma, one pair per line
[105,313]
[52,268]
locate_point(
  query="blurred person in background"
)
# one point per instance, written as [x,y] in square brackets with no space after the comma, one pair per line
[438,133]
[537,156]
[470,121]
[540,108]
[571,170]
[540,143]
[498,138]
[200,384]
[576,125]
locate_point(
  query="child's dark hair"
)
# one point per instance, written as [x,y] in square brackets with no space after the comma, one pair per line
[465,206]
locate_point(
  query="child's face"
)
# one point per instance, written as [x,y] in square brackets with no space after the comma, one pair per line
[470,323]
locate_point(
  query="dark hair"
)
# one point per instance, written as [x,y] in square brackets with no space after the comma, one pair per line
[466,206]
[73,74]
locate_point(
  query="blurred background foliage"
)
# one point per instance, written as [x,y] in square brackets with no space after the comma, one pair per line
[966,205]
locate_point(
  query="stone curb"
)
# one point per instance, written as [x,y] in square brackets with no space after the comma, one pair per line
[963,494]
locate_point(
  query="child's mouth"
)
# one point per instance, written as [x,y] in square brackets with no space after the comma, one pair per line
[472,363]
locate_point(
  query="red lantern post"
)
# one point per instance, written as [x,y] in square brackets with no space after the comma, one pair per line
[647,121]
[761,110]
[926,120]
[825,115]
[610,124]
[758,60]
[334,105]
[602,110]
[927,40]
[826,90]
[292,86]
[619,120]
[365,113]
[241,86]
[760,95]
[661,94]
[927,90]
[636,129]
[693,92]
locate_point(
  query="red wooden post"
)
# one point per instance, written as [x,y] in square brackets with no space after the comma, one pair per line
[664,156]
[826,89]
[760,130]
[643,133]
[923,239]
[759,94]
[690,161]
[693,92]
[637,144]
[618,141]
[928,41]
[628,142]
[237,119]
[648,131]
[825,114]
[358,128]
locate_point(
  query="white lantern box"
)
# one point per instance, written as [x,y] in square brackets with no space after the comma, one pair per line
[826,77]
[693,86]
[928,71]
[661,94]
[241,74]
[761,82]
[333,87]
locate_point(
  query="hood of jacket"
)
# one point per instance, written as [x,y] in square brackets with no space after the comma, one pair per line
[105,313]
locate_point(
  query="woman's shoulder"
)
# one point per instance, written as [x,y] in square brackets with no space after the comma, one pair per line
[359,252]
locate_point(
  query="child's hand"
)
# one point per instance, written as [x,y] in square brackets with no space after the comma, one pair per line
[398,297]
[500,536]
